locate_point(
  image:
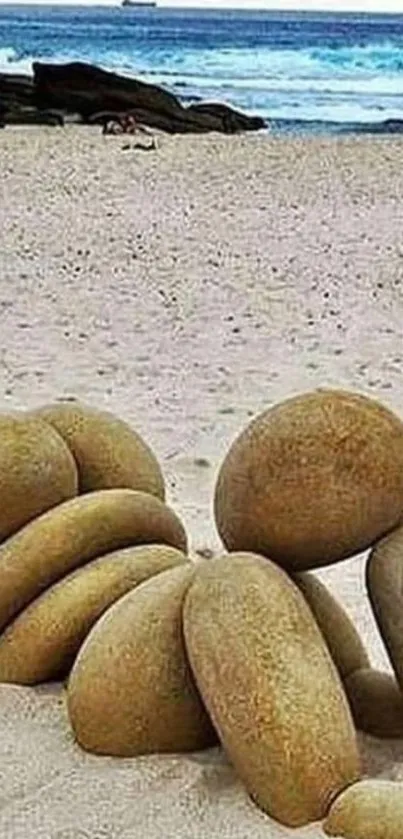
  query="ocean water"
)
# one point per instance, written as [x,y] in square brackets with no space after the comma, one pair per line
[301,71]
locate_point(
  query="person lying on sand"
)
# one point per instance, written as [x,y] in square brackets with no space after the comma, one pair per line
[127,124]
[124,124]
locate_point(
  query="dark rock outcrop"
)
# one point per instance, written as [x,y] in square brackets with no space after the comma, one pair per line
[27,115]
[16,93]
[389,126]
[16,90]
[386,126]
[87,90]
[81,91]
[232,121]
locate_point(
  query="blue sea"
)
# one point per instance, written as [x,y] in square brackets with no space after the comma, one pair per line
[301,71]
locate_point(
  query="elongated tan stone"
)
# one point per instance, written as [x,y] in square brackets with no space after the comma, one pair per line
[108,452]
[270,686]
[37,471]
[313,480]
[384,578]
[344,643]
[131,691]
[370,809]
[376,703]
[71,534]
[42,642]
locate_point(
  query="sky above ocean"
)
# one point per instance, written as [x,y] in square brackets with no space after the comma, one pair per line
[371,6]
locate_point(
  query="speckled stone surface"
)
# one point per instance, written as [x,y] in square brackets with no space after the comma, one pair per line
[376,703]
[41,643]
[370,809]
[37,471]
[341,636]
[74,533]
[384,578]
[108,452]
[312,480]
[131,691]
[270,687]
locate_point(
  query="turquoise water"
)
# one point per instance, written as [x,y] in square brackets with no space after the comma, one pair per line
[295,69]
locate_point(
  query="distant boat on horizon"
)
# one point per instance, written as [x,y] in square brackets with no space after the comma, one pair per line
[140,4]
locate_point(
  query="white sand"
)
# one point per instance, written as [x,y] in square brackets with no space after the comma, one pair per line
[186,289]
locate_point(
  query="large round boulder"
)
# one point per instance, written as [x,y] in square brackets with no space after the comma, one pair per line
[73,533]
[270,686]
[384,585]
[343,640]
[313,480]
[37,471]
[40,645]
[376,702]
[369,809]
[108,452]
[131,691]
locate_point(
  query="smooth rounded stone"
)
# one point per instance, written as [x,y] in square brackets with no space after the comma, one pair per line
[37,471]
[370,809]
[42,642]
[376,703]
[344,643]
[75,532]
[131,691]
[313,480]
[108,452]
[384,579]
[270,686]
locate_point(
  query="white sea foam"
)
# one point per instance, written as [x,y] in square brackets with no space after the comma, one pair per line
[10,63]
[352,83]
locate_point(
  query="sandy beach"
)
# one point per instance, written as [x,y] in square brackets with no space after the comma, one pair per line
[186,289]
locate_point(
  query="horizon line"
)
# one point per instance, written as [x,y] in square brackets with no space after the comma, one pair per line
[320,9]
[341,7]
